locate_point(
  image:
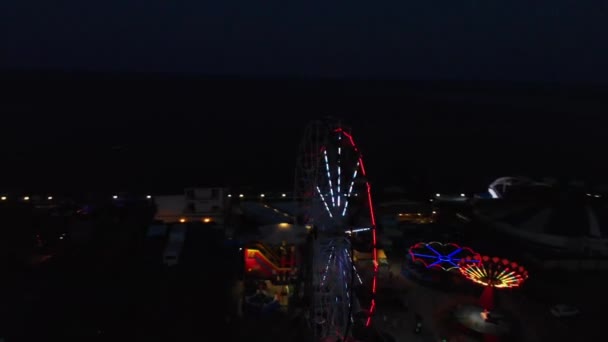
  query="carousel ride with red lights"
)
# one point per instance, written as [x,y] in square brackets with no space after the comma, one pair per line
[490,272]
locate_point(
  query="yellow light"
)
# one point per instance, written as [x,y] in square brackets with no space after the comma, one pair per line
[182,220]
[284,225]
[207,220]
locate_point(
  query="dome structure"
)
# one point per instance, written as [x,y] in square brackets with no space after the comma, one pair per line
[513,186]
[566,221]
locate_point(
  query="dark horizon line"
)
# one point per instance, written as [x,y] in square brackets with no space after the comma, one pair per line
[195,76]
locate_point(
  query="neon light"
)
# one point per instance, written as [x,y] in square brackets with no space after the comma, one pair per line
[439,255]
[255,257]
[493,272]
[350,138]
[339,195]
[324,202]
[373,221]
[331,188]
[357,230]
[370,205]
[362,167]
[339,172]
[350,188]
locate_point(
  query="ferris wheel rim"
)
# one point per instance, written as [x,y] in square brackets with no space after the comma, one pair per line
[321,144]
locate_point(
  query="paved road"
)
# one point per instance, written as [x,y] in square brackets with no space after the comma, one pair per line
[398,292]
[398,301]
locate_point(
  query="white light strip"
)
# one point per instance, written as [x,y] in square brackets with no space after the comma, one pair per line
[352,183]
[339,174]
[331,187]
[345,207]
[357,274]
[357,230]
[324,202]
[350,189]
[354,269]
[331,254]
[339,195]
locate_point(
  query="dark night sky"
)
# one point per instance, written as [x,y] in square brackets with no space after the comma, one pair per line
[439,39]
[119,132]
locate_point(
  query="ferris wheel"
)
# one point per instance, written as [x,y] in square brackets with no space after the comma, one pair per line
[335,200]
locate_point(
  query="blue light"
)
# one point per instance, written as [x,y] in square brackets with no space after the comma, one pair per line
[444,255]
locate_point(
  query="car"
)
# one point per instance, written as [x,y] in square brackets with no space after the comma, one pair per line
[563,310]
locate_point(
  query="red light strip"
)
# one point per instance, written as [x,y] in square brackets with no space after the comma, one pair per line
[371,310]
[350,138]
[373,219]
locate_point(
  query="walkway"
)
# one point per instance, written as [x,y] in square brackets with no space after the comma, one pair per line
[399,299]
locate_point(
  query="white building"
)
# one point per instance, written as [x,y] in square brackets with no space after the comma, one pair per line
[194,205]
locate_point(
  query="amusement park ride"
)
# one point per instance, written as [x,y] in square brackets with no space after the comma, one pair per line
[334,198]
[490,272]
[334,204]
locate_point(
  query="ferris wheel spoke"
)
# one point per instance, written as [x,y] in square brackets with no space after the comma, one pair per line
[324,202]
[350,189]
[339,195]
[331,187]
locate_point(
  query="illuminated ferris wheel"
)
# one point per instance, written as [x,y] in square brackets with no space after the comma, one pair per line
[335,199]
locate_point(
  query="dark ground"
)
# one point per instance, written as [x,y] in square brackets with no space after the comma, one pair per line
[100,294]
